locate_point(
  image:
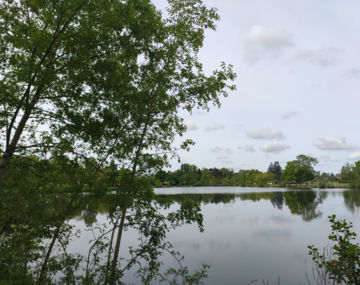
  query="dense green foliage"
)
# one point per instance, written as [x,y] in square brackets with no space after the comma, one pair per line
[342,263]
[190,175]
[350,173]
[300,170]
[91,94]
[276,170]
[296,172]
[102,78]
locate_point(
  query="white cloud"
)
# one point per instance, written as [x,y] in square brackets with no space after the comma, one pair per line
[328,143]
[223,157]
[274,147]
[262,42]
[218,149]
[191,126]
[266,133]
[322,57]
[328,159]
[249,148]
[289,115]
[239,126]
[215,127]
[354,155]
[224,160]
[353,72]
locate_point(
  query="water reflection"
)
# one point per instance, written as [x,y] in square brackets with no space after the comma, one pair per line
[38,232]
[303,202]
[352,200]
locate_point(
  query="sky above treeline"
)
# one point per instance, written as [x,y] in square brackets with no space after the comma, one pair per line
[298,67]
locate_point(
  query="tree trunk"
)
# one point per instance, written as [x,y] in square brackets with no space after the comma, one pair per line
[109,253]
[44,266]
[117,246]
[4,164]
[127,202]
[10,149]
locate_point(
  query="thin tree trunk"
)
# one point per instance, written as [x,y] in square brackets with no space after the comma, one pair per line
[109,253]
[10,149]
[44,266]
[117,246]
[127,203]
[47,256]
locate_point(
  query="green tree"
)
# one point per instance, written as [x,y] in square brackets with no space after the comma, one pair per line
[350,173]
[347,173]
[263,178]
[251,177]
[115,75]
[342,263]
[275,169]
[188,174]
[206,178]
[169,78]
[355,181]
[300,170]
[60,63]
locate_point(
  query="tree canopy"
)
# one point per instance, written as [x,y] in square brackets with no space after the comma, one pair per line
[275,169]
[102,78]
[301,169]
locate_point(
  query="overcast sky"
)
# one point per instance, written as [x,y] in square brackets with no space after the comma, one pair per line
[298,67]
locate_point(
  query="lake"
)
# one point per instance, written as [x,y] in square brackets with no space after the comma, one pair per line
[262,234]
[250,235]
[256,234]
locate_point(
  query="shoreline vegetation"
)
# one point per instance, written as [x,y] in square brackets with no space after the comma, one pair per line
[64,175]
[334,185]
[299,173]
[91,97]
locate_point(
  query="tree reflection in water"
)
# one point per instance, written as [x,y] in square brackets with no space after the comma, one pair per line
[36,233]
[303,202]
[352,199]
[37,230]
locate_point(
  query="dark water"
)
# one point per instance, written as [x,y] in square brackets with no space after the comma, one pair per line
[250,234]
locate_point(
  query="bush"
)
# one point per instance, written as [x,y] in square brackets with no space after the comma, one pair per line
[342,263]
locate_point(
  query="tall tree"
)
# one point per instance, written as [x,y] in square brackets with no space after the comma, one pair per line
[300,170]
[60,62]
[168,78]
[275,169]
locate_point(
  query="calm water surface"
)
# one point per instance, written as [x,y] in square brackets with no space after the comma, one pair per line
[251,234]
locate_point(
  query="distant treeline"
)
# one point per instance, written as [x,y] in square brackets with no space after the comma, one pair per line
[296,172]
[62,174]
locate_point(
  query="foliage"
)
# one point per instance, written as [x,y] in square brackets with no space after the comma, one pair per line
[350,173]
[36,233]
[105,78]
[57,175]
[343,264]
[300,170]
[275,169]
[56,68]
[191,175]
